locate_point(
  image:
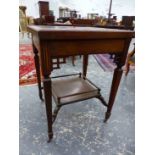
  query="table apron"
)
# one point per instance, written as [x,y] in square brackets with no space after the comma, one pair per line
[80,47]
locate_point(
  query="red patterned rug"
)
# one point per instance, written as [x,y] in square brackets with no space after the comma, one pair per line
[27,73]
[107,64]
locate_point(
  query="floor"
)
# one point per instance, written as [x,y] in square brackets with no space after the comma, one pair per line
[79,127]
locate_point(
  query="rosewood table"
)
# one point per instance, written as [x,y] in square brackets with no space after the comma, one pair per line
[60,41]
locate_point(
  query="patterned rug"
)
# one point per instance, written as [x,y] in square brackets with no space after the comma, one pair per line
[27,73]
[107,64]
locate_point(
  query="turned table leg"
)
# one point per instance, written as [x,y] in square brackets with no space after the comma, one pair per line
[48,104]
[37,66]
[114,87]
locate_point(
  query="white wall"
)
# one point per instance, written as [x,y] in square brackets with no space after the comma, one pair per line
[119,7]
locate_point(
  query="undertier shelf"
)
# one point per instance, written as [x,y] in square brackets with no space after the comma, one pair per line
[72,89]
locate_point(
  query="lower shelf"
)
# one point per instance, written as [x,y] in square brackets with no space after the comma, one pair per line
[72,89]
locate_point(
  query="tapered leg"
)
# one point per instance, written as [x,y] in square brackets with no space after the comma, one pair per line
[58,63]
[114,87]
[73,60]
[48,104]
[37,65]
[120,61]
[85,64]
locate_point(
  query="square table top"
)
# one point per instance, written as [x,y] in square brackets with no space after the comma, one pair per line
[77,32]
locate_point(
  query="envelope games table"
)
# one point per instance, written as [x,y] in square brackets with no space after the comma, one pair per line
[61,41]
